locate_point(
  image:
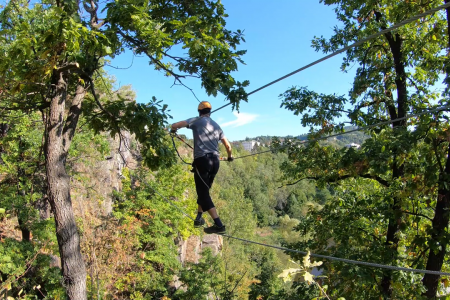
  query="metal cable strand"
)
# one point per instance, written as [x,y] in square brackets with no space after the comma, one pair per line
[349,261]
[176,150]
[441,108]
[396,26]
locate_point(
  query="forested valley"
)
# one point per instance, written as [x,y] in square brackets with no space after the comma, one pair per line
[96,204]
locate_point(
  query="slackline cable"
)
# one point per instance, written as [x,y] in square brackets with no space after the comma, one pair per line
[344,260]
[438,109]
[349,261]
[358,43]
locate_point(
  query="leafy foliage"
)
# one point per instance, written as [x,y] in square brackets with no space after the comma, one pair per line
[383,202]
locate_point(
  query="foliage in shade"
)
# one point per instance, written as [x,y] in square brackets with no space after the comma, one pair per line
[387,203]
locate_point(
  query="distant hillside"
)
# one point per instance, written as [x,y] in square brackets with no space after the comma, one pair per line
[357,137]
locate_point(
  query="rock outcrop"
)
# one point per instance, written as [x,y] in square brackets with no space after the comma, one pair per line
[190,250]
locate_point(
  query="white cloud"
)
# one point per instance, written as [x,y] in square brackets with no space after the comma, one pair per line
[241,119]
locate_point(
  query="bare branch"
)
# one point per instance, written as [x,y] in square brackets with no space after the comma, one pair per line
[417,215]
[334,180]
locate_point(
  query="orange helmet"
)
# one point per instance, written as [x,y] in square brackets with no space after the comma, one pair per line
[204,104]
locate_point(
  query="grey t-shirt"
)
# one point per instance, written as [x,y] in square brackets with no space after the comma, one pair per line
[207,135]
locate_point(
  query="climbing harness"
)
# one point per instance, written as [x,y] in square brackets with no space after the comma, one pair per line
[174,135]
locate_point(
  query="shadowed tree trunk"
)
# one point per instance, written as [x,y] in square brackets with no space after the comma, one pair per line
[58,138]
[441,216]
[439,235]
[396,47]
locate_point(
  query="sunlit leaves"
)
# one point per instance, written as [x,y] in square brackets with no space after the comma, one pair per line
[401,163]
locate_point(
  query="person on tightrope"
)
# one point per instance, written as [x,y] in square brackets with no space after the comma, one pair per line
[207,135]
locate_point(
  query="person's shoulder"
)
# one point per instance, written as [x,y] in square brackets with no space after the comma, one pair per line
[216,124]
[191,120]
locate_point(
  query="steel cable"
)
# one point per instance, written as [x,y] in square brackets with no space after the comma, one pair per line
[438,109]
[358,43]
[344,260]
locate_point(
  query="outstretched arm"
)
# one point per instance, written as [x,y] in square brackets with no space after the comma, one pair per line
[178,125]
[228,147]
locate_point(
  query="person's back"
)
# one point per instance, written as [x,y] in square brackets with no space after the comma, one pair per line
[207,134]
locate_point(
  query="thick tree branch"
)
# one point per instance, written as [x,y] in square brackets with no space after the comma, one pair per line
[73,117]
[438,157]
[67,67]
[369,234]
[367,53]
[99,104]
[376,178]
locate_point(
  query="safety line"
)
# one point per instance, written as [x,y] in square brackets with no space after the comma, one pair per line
[431,11]
[407,21]
[172,135]
[348,261]
[441,108]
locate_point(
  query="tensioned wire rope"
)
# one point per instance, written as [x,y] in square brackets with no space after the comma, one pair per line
[358,43]
[344,260]
[407,21]
[428,111]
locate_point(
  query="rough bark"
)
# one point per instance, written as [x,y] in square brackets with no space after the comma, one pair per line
[441,216]
[23,226]
[73,268]
[440,223]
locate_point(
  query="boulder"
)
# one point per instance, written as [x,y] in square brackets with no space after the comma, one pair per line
[213,241]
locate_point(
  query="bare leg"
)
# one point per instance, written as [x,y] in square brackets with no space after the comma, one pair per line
[213,213]
[199,209]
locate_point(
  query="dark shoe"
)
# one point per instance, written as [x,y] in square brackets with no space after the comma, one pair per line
[199,223]
[214,229]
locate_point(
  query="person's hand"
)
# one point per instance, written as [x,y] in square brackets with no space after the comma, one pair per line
[173,130]
[230,158]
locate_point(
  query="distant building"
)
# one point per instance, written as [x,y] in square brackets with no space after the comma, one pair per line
[250,145]
[353,145]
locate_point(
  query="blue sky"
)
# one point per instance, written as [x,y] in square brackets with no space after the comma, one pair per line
[278,38]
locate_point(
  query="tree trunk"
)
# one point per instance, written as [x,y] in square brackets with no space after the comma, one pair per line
[26,233]
[439,235]
[396,47]
[441,214]
[21,174]
[73,268]
[391,247]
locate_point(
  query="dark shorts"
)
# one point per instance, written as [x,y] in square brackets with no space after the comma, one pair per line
[205,169]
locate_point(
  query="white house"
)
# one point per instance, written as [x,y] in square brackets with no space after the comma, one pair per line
[353,145]
[250,145]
